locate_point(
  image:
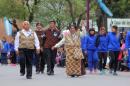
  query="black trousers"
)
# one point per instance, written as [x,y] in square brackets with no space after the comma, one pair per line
[50,59]
[40,61]
[85,58]
[102,60]
[13,57]
[113,60]
[26,57]
[4,58]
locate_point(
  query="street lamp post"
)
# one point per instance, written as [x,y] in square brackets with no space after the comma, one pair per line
[87,13]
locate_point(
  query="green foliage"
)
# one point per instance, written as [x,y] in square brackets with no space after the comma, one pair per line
[51,10]
[63,11]
[120,8]
[12,9]
[59,10]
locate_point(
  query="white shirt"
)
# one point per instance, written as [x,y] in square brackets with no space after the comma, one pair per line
[26,33]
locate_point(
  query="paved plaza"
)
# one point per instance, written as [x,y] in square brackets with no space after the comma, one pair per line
[9,76]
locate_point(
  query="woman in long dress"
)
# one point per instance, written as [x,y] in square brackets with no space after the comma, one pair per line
[72,45]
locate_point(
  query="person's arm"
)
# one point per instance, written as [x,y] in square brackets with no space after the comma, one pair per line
[16,42]
[83,32]
[17,28]
[8,49]
[127,41]
[85,44]
[108,39]
[60,43]
[36,40]
[10,22]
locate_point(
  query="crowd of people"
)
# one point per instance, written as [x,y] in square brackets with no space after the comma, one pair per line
[74,49]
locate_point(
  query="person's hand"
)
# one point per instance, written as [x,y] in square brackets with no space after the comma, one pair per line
[17,53]
[83,23]
[126,53]
[85,51]
[53,48]
[38,51]
[41,49]
[8,54]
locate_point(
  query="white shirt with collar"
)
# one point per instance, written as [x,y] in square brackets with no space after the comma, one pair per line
[26,33]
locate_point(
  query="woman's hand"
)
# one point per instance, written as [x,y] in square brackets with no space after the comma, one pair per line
[53,48]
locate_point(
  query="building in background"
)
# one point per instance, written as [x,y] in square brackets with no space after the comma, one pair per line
[123,24]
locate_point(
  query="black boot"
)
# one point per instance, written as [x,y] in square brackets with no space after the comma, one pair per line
[72,76]
[29,77]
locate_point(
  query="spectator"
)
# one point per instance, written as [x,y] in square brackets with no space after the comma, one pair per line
[114,48]
[4,51]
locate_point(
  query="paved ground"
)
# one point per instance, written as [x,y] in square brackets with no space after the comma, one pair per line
[9,76]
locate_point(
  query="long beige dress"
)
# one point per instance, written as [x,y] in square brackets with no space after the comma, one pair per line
[73,59]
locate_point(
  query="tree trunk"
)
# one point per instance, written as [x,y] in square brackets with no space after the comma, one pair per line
[71,11]
[80,18]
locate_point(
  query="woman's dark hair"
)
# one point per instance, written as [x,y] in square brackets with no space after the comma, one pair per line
[92,29]
[102,28]
[39,23]
[53,21]
[69,27]
[115,27]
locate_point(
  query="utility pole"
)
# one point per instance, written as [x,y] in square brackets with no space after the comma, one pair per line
[87,14]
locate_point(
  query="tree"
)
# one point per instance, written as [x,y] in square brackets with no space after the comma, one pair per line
[52,10]
[119,8]
[76,10]
[12,9]
[63,11]
[32,6]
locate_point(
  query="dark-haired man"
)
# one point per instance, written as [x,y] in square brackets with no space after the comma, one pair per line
[52,37]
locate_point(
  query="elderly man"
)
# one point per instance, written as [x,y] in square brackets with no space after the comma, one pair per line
[26,41]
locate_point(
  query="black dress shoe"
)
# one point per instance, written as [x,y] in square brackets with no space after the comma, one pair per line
[37,72]
[77,75]
[48,73]
[29,77]
[21,74]
[72,76]
[115,74]
[42,72]
[52,72]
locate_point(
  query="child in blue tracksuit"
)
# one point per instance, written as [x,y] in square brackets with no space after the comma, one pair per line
[128,47]
[91,51]
[114,49]
[102,38]
[83,45]
[4,51]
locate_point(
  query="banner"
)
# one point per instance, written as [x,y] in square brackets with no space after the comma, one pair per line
[105,8]
[118,22]
[8,27]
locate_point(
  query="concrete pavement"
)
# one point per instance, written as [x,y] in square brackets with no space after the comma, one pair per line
[9,76]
